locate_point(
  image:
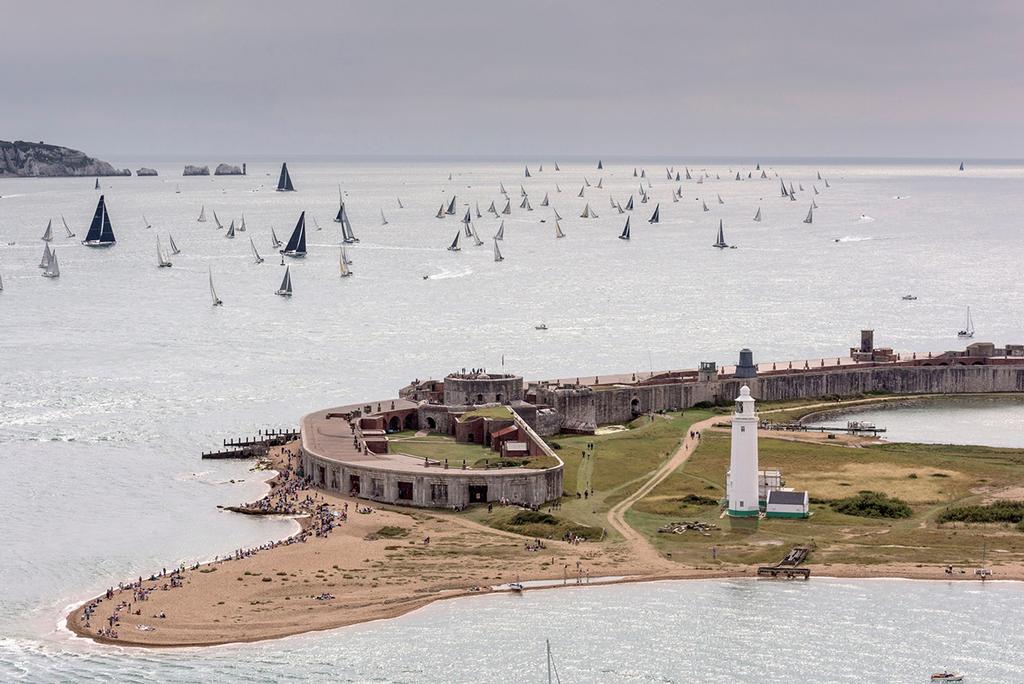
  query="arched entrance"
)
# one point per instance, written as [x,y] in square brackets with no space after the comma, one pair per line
[411,422]
[394,425]
[634,406]
[431,423]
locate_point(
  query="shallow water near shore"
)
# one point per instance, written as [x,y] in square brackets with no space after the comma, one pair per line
[114,377]
[828,630]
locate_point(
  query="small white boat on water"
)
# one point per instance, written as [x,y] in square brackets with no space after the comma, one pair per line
[968,330]
[945,676]
[909,298]
[542,326]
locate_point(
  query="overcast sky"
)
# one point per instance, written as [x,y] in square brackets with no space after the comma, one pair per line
[518,78]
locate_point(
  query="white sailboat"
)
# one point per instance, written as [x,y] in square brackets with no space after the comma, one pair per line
[704,205]
[968,330]
[557,217]
[476,238]
[67,229]
[656,216]
[231,230]
[497,252]
[145,222]
[440,212]
[399,199]
[500,235]
[174,247]
[810,215]
[273,239]
[202,215]
[508,208]
[286,283]
[558,230]
[757,216]
[588,212]
[241,226]
[52,269]
[256,255]
[383,218]
[213,292]
[492,209]
[161,260]
[48,235]
[217,220]
[478,214]
[46,256]
[343,264]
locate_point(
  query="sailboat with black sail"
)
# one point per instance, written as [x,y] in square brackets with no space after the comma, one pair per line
[296,246]
[284,182]
[100,234]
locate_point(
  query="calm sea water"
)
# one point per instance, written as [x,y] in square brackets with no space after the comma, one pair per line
[990,421]
[116,375]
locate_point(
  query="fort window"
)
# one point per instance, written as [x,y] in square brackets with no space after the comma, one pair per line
[431,423]
[439,493]
[353,484]
[405,490]
[334,479]
[321,475]
[497,397]
[478,493]
[377,489]
[635,406]
[479,398]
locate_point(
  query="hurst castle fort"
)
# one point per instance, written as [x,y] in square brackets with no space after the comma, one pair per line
[479,437]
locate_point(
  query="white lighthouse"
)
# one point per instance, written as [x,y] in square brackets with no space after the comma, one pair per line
[743,485]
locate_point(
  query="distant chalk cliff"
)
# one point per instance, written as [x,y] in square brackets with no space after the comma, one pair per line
[193,170]
[20,158]
[145,171]
[229,170]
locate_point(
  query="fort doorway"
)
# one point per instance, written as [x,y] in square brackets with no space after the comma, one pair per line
[405,491]
[477,493]
[634,406]
[431,424]
[411,423]
[321,475]
[394,425]
[353,484]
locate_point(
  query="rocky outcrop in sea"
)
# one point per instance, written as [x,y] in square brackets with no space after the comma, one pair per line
[144,171]
[192,170]
[20,158]
[228,170]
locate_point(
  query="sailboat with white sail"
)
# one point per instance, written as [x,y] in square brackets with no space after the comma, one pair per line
[400,206]
[476,238]
[348,237]
[624,235]
[588,212]
[44,262]
[145,222]
[383,218]
[216,219]
[497,252]
[52,269]
[174,247]
[757,216]
[451,207]
[500,235]
[213,292]
[48,234]
[255,254]
[508,208]
[343,264]
[241,225]
[274,242]
[67,228]
[231,230]
[202,215]
[161,260]
[968,330]
[656,216]
[558,230]
[296,246]
[810,215]
[344,256]
[100,234]
[286,283]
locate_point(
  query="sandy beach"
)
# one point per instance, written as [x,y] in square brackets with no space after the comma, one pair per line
[382,563]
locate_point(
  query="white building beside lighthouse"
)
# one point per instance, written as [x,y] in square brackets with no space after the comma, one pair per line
[742,485]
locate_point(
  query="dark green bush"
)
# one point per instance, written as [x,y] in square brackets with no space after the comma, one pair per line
[868,504]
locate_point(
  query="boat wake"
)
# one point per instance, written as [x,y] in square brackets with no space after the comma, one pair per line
[864,218]
[447,273]
[852,238]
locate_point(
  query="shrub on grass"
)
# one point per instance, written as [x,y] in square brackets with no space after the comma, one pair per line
[868,504]
[998,512]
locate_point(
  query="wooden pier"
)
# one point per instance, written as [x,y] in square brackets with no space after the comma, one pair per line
[800,427]
[252,447]
[787,567]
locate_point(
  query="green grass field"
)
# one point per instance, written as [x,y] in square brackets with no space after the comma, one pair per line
[927,477]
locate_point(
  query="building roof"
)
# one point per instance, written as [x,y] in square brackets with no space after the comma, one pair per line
[791,498]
